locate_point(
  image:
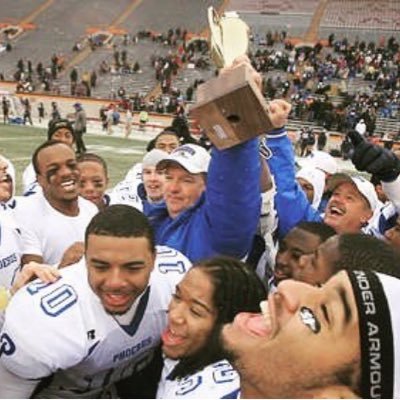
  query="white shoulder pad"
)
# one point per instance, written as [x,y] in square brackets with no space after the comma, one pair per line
[134,173]
[43,330]
[171,261]
[126,192]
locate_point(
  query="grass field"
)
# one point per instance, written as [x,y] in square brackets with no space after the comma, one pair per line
[17,143]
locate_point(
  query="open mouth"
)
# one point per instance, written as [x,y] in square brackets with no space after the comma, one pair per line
[336,211]
[153,187]
[69,185]
[171,338]
[260,325]
[116,299]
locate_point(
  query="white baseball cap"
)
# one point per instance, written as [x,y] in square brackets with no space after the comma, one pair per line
[195,159]
[365,187]
[153,157]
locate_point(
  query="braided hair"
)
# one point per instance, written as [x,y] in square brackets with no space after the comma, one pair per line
[237,288]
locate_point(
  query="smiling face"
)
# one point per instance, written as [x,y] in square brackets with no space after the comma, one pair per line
[191,316]
[182,189]
[153,181]
[305,339]
[347,209]
[92,182]
[294,245]
[58,174]
[119,269]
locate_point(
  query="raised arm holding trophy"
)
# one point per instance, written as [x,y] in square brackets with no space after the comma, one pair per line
[231,107]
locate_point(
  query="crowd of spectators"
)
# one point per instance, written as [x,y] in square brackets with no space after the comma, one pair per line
[39,78]
[309,76]
[246,202]
[317,80]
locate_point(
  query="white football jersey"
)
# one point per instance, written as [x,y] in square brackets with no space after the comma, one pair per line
[134,173]
[216,381]
[47,232]
[73,342]
[126,192]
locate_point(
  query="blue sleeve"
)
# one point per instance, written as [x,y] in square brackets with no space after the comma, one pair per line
[291,202]
[233,200]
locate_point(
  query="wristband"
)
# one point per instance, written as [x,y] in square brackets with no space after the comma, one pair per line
[277,132]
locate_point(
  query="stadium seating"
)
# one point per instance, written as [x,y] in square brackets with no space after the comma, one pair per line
[366,14]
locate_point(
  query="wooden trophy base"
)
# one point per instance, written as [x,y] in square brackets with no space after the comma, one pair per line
[231,108]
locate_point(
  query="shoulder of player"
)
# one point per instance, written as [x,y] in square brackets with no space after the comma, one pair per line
[41,298]
[87,206]
[218,378]
[46,327]
[169,268]
[27,206]
[171,262]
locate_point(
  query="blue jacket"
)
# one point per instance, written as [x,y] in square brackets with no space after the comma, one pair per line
[225,217]
[291,203]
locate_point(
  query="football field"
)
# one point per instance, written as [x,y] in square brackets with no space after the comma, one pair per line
[17,143]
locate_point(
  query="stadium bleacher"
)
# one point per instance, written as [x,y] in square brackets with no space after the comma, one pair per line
[364,19]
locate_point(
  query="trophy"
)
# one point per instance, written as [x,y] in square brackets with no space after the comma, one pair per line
[230,107]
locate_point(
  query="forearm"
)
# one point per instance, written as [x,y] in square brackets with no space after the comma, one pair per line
[291,203]
[233,197]
[282,161]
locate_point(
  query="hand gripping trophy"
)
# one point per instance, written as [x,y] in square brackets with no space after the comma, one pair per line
[230,107]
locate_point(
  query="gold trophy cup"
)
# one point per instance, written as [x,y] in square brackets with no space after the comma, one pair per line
[230,107]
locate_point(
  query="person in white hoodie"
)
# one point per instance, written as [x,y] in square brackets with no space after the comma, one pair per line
[312,181]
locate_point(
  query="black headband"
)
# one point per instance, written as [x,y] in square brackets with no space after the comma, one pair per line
[376,337]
